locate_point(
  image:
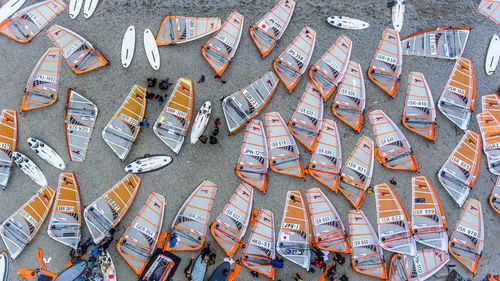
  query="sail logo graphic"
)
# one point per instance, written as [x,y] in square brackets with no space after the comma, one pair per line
[460,163]
[493,146]
[35,19]
[348,92]
[232,214]
[80,129]
[417,103]
[387,141]
[386,59]
[456,90]
[66,209]
[391,219]
[28,217]
[261,243]
[291,226]
[326,152]
[71,50]
[362,242]
[253,152]
[129,119]
[332,64]
[296,55]
[279,143]
[307,111]
[357,168]
[250,98]
[431,211]
[323,220]
[195,217]
[175,112]
[145,230]
[112,202]
[467,231]
[432,43]
[225,40]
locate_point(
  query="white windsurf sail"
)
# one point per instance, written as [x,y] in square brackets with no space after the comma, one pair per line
[177,30]
[495,196]
[8,143]
[491,103]
[490,9]
[421,267]
[490,133]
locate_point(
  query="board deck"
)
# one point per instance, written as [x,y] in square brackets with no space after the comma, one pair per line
[347,23]
[151,49]
[493,55]
[30,169]
[46,153]
[74,8]
[128,46]
[201,122]
[89,8]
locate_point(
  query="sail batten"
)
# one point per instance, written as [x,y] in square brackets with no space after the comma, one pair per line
[177,29]
[442,42]
[8,143]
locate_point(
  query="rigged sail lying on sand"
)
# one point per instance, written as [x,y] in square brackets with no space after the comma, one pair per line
[284,155]
[467,240]
[243,105]
[495,196]
[8,143]
[42,87]
[266,32]
[189,229]
[293,62]
[177,30]
[490,9]
[422,266]
[20,228]
[490,133]
[108,210]
[122,130]
[491,103]
[458,174]
[173,123]
[65,224]
[326,160]
[294,238]
[220,49]
[442,42]
[327,227]
[81,56]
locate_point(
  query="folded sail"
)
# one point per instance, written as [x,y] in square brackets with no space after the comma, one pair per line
[419,113]
[220,49]
[189,229]
[260,249]
[394,229]
[294,238]
[8,143]
[425,264]
[122,130]
[269,29]
[467,240]
[326,160]
[139,240]
[65,225]
[442,42]
[459,95]
[306,120]
[293,62]
[490,9]
[20,228]
[327,227]
[79,121]
[245,104]
[283,151]
[367,256]
[386,66]
[24,25]
[173,123]
[43,85]
[253,164]
[81,56]
[490,133]
[108,210]
[357,172]
[329,71]
[458,174]
[177,30]
[491,103]
[230,226]
[427,215]
[350,100]
[495,196]
[393,149]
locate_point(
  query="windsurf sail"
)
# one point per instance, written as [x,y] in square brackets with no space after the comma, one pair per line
[65,224]
[24,25]
[490,133]
[293,62]
[350,100]
[189,229]
[122,130]
[327,227]
[442,42]
[108,210]
[79,121]
[393,149]
[427,215]
[357,172]
[306,120]
[220,49]
[177,30]
[173,123]
[8,143]
[329,71]
[138,242]
[419,113]
[81,56]
[284,153]
[243,105]
[21,227]
[490,9]
[394,229]
[327,157]
[367,256]
[495,196]
[230,226]
[458,98]
[467,240]
[491,103]
[253,164]
[458,174]
[294,238]
[266,32]
[42,87]
[260,249]
[386,66]
[425,264]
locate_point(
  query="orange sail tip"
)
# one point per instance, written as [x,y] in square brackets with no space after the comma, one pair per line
[293,62]
[177,29]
